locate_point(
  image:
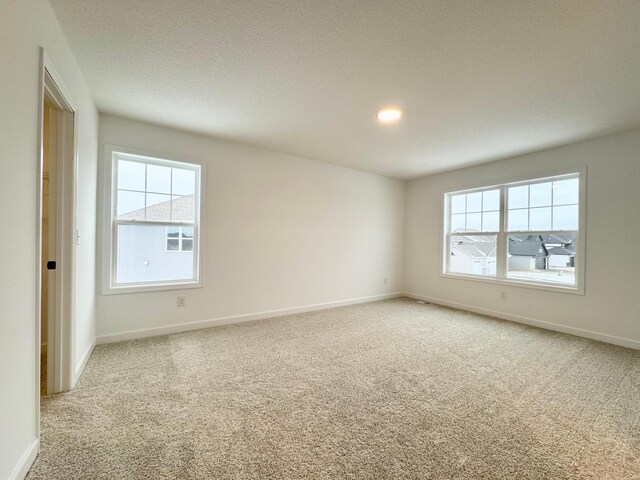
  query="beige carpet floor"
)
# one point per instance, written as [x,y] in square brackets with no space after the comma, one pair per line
[391,389]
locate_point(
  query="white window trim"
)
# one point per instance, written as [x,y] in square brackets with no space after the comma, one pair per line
[108,246]
[501,258]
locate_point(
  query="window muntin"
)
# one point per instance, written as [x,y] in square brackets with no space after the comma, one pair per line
[537,232]
[475,211]
[155,205]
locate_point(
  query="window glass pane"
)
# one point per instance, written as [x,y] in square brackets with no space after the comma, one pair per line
[187,232]
[540,195]
[183,209]
[565,191]
[158,207]
[458,203]
[565,218]
[173,232]
[158,179]
[518,219]
[546,208]
[491,200]
[545,258]
[474,202]
[130,205]
[143,256]
[184,182]
[473,254]
[474,222]
[173,244]
[187,245]
[519,197]
[131,175]
[457,222]
[540,218]
[491,221]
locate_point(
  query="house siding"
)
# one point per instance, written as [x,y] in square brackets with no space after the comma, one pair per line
[139,244]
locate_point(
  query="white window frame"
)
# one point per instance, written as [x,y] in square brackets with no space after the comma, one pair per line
[109,237]
[503,234]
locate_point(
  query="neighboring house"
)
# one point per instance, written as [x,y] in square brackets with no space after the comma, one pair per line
[541,252]
[473,254]
[157,252]
[180,209]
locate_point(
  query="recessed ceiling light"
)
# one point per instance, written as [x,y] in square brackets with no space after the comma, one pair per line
[389,115]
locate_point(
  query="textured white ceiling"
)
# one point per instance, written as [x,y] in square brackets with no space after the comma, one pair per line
[478,80]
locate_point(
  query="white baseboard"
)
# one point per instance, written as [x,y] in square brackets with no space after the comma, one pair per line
[185,327]
[83,362]
[556,327]
[24,464]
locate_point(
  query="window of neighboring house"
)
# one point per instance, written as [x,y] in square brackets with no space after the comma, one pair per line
[179,239]
[526,232]
[155,213]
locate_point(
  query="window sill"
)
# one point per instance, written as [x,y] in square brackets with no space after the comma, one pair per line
[159,287]
[516,283]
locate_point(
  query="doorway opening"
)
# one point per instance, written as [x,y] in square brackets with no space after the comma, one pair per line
[48,249]
[56,238]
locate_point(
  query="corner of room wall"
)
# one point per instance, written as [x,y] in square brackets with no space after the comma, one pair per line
[283,234]
[608,310]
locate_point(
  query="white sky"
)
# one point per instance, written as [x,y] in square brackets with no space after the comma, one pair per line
[140,184]
[542,206]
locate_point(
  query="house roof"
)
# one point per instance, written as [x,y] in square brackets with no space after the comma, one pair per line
[475,250]
[476,246]
[532,246]
[558,238]
[472,237]
[537,245]
[180,209]
[562,251]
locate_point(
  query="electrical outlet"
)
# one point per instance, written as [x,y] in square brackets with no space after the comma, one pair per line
[503,295]
[182,301]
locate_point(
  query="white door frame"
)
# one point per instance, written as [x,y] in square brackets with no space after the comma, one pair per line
[60,342]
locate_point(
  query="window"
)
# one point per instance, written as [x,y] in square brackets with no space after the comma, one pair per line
[155,213]
[179,239]
[526,232]
[474,220]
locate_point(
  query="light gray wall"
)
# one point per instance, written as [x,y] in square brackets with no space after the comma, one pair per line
[611,304]
[280,232]
[26,25]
